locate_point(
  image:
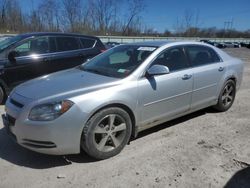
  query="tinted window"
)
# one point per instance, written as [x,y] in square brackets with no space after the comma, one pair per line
[99,45]
[52,44]
[173,58]
[33,46]
[67,43]
[87,43]
[200,55]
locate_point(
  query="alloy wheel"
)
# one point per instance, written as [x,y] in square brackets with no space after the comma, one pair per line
[110,132]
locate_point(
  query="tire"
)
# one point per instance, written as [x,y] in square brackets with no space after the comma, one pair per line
[226,97]
[106,133]
[2,95]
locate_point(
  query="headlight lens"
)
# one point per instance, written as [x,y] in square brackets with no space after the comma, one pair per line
[50,111]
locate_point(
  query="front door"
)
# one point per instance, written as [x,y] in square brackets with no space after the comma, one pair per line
[164,96]
[31,61]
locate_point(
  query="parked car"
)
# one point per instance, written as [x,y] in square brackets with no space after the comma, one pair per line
[31,55]
[244,44]
[237,44]
[229,44]
[100,105]
[207,41]
[219,45]
[248,45]
[216,44]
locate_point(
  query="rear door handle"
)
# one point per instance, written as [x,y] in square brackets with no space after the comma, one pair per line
[221,69]
[186,77]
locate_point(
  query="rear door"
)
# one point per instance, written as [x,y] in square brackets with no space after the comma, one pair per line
[69,52]
[164,96]
[208,70]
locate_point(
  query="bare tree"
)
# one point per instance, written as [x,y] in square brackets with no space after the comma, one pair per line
[103,14]
[188,24]
[72,14]
[136,7]
[3,4]
[49,12]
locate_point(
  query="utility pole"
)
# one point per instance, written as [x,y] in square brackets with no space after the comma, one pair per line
[228,25]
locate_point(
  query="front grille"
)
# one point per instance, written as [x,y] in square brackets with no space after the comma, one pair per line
[14,102]
[38,144]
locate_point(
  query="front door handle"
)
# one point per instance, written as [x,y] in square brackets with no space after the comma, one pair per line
[221,69]
[186,77]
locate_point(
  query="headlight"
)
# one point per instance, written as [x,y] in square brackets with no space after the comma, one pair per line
[50,111]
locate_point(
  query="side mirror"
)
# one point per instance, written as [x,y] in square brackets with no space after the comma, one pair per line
[12,56]
[157,70]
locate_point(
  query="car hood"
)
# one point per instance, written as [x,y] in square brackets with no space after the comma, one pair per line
[64,83]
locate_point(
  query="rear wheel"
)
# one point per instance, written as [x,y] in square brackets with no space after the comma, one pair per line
[227,96]
[106,133]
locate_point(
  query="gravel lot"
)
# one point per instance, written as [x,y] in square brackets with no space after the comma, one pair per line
[204,149]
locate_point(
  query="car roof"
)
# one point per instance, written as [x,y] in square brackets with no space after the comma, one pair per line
[162,43]
[152,43]
[25,35]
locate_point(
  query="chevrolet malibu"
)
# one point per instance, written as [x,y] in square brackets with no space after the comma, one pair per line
[101,104]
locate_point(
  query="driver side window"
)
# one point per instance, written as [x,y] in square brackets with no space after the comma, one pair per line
[33,46]
[173,58]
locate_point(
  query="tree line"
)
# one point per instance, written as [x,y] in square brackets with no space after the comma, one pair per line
[96,17]
[99,17]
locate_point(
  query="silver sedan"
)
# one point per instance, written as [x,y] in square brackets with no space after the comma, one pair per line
[101,104]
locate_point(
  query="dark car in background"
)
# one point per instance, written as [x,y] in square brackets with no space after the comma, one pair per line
[31,55]
[216,44]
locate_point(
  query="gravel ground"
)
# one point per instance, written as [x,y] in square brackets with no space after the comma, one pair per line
[204,149]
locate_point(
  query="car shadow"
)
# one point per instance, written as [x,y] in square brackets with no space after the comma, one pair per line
[174,122]
[240,179]
[13,153]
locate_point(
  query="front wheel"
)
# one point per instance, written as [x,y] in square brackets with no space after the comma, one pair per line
[227,96]
[106,133]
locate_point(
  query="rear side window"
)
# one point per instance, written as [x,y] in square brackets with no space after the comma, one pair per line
[99,45]
[87,43]
[67,43]
[201,55]
[173,58]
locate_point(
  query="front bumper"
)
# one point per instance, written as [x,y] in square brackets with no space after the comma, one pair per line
[58,137]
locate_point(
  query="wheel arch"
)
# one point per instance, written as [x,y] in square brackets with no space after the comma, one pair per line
[232,77]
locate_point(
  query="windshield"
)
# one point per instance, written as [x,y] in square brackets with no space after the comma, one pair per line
[120,61]
[9,41]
